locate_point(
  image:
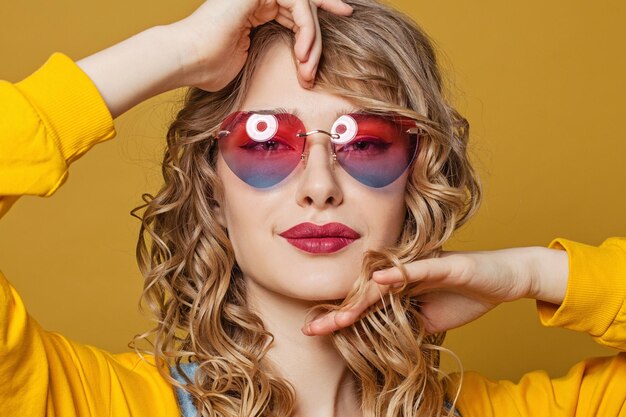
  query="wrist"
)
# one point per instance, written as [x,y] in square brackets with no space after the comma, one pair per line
[549,272]
[194,57]
[163,47]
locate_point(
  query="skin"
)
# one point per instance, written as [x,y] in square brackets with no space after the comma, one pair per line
[206,49]
[459,287]
[282,281]
[316,192]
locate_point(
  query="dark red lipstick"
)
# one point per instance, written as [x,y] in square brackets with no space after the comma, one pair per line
[327,238]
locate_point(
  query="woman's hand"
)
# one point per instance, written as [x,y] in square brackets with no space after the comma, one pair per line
[207,49]
[215,38]
[459,287]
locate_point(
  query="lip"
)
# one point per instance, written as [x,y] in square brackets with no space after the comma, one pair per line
[327,238]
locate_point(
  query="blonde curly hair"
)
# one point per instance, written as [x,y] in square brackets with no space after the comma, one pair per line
[380,60]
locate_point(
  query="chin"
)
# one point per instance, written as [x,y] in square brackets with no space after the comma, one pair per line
[314,280]
[318,287]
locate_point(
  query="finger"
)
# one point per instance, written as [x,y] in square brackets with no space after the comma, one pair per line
[308,69]
[305,24]
[326,324]
[334,6]
[339,319]
[284,11]
[286,22]
[285,16]
[426,270]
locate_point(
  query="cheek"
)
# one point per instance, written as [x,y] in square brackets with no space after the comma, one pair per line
[235,206]
[240,202]
[249,216]
[248,225]
[385,214]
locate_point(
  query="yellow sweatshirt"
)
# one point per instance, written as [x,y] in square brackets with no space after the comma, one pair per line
[54,116]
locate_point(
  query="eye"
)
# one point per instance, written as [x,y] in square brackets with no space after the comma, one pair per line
[346,128]
[261,127]
[272,146]
[366,145]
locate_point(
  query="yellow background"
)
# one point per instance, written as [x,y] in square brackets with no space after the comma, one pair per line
[543,85]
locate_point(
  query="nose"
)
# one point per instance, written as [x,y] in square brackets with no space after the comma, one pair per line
[318,185]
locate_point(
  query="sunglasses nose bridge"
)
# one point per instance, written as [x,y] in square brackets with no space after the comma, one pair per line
[305,150]
[331,135]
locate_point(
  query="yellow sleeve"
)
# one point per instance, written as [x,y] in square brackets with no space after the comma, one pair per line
[594,303]
[47,121]
[44,374]
[594,387]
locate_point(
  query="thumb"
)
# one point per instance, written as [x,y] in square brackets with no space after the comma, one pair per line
[445,310]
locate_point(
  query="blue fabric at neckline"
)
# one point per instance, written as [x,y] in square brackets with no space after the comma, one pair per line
[185,402]
[184,398]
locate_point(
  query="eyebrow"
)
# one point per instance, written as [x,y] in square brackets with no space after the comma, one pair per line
[295,112]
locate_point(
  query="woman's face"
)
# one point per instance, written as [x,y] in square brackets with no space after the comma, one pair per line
[315,192]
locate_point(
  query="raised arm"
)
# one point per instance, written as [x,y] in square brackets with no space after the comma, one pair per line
[54,116]
[576,286]
[594,303]
[205,50]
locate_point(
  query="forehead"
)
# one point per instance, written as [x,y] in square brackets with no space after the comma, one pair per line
[274,87]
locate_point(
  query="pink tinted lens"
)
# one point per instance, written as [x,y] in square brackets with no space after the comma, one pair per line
[261,164]
[381,150]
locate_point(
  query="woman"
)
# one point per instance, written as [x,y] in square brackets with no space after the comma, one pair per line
[235,260]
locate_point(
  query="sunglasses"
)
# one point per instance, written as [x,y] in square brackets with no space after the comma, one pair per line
[263,149]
